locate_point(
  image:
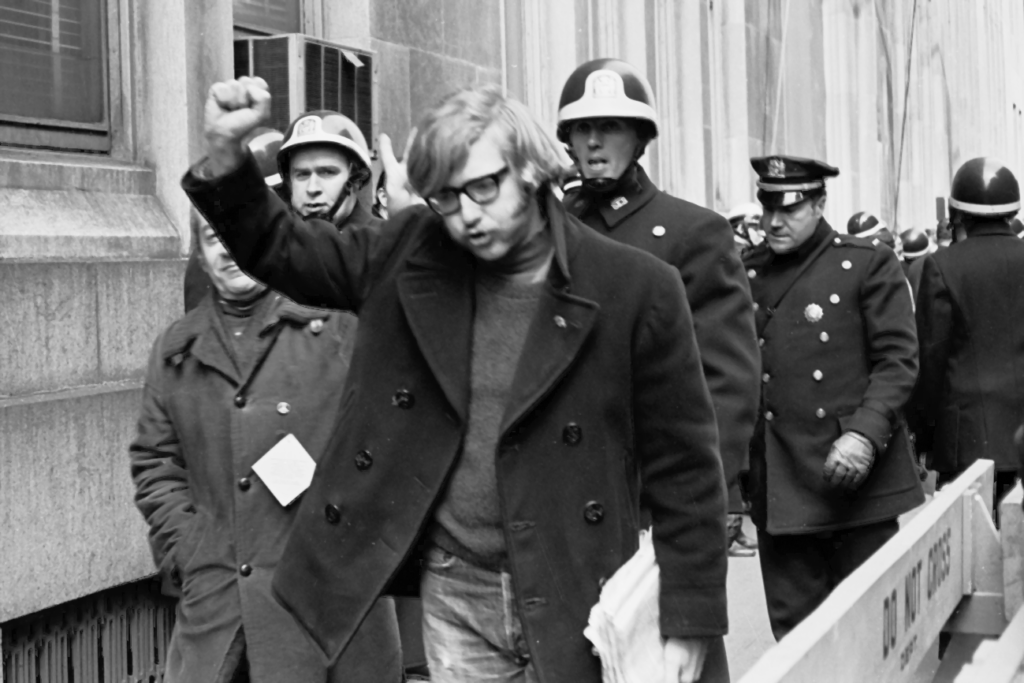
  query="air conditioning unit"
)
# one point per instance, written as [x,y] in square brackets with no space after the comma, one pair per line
[305,74]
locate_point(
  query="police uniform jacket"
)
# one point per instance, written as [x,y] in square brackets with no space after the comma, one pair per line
[216,531]
[838,353]
[699,243]
[608,408]
[970,316]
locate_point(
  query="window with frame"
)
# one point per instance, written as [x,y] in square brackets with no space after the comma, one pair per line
[54,74]
[267,17]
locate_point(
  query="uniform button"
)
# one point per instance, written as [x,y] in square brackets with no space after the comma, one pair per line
[560,322]
[769,416]
[817,375]
[403,399]
[364,460]
[765,377]
[756,306]
[244,483]
[760,342]
[820,412]
[332,513]
[847,265]
[240,401]
[316,326]
[658,231]
[572,434]
[834,298]
[593,512]
[283,408]
[245,570]
[823,337]
[837,241]
[751,273]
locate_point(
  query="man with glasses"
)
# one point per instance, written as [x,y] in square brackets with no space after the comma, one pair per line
[520,386]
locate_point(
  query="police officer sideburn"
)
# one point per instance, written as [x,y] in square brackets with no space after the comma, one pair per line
[831,462]
[606,118]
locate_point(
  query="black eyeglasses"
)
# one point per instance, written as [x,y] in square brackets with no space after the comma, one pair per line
[483,190]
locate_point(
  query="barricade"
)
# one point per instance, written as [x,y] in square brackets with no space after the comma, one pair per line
[946,571]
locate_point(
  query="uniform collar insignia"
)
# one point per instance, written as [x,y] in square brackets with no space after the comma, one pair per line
[619,202]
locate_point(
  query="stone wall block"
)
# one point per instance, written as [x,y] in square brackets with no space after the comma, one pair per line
[68,526]
[472,31]
[395,117]
[414,23]
[433,76]
[136,301]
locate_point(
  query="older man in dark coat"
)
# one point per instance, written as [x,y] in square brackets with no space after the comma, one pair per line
[520,386]
[970,316]
[225,384]
[831,464]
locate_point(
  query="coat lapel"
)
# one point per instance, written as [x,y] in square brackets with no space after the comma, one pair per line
[201,334]
[560,328]
[437,297]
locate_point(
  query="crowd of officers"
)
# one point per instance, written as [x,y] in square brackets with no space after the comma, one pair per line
[499,395]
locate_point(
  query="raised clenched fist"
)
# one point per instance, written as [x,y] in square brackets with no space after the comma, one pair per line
[233,109]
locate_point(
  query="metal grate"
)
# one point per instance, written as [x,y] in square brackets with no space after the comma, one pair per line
[117,636]
[270,61]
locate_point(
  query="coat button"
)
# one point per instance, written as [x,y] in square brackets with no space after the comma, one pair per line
[364,460]
[757,306]
[332,513]
[765,377]
[658,231]
[240,401]
[283,408]
[837,241]
[593,512]
[817,374]
[751,273]
[245,570]
[847,265]
[823,337]
[316,326]
[560,322]
[572,434]
[403,399]
[760,342]
[769,416]
[834,298]
[820,412]
[244,484]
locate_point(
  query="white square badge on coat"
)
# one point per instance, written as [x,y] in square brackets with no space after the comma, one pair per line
[286,469]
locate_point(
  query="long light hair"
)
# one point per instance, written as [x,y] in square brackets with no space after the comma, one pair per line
[445,134]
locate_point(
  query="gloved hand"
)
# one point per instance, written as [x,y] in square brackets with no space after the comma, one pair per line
[849,461]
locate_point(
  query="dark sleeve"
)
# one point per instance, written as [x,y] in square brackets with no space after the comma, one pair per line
[718,291]
[682,481]
[935,333]
[891,340]
[310,262]
[159,471]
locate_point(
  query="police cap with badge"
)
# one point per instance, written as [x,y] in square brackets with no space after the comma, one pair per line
[784,180]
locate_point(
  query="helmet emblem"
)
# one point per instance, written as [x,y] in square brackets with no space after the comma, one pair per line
[603,84]
[776,168]
[813,313]
[306,126]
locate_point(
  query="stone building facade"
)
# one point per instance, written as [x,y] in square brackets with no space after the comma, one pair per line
[94,227]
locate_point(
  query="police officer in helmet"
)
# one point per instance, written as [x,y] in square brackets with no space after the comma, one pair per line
[324,162]
[606,118]
[969,397]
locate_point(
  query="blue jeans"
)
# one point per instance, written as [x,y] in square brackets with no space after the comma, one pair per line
[471,629]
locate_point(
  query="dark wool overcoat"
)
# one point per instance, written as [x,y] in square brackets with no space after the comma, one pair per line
[215,529]
[699,244]
[970,317]
[608,409]
[838,354]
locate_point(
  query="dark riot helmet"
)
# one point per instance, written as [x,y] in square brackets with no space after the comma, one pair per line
[985,187]
[607,88]
[327,128]
[916,244]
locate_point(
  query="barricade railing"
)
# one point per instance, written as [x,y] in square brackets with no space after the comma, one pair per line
[947,570]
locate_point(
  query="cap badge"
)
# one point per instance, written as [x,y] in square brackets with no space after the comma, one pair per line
[306,126]
[776,168]
[618,203]
[813,313]
[603,84]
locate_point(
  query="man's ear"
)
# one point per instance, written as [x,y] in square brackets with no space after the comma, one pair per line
[819,204]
